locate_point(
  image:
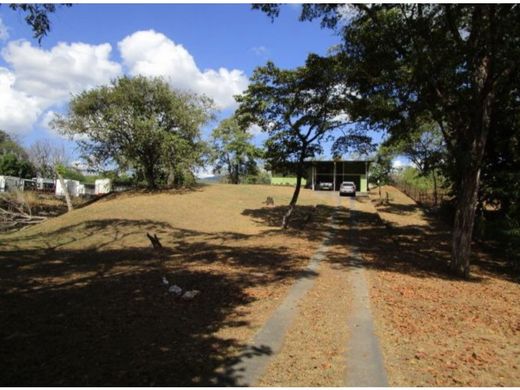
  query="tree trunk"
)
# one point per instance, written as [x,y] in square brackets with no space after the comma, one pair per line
[70,207]
[435,199]
[471,152]
[296,193]
[237,173]
[464,221]
[149,176]
[170,181]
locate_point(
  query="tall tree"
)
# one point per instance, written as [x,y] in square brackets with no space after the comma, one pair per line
[451,62]
[138,123]
[13,158]
[425,148]
[233,151]
[298,109]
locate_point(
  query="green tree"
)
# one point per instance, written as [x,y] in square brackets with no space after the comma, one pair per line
[234,154]
[14,160]
[381,168]
[37,17]
[61,170]
[141,124]
[290,106]
[9,145]
[453,63]
[11,165]
[425,147]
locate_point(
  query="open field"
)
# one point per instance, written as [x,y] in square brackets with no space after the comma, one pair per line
[82,301]
[435,330]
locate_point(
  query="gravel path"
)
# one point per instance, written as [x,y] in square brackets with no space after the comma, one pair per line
[365,366]
[268,341]
[323,333]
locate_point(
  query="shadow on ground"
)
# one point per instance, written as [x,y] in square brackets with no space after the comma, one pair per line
[418,250]
[100,315]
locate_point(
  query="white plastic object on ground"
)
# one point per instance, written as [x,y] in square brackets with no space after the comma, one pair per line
[190,294]
[175,290]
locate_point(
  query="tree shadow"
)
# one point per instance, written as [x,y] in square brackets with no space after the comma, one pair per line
[400,209]
[418,250]
[100,315]
[309,222]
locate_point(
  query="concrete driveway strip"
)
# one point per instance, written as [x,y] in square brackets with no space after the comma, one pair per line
[268,341]
[365,365]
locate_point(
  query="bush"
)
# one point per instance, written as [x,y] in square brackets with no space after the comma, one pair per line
[506,231]
[260,178]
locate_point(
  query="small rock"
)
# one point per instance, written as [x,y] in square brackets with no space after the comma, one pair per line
[165,281]
[175,290]
[190,294]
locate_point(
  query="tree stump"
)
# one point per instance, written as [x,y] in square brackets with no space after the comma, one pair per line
[154,240]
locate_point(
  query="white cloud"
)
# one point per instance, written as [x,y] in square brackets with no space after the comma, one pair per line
[53,75]
[40,79]
[36,81]
[254,130]
[204,172]
[45,122]
[260,51]
[18,110]
[4,31]
[399,163]
[348,13]
[150,53]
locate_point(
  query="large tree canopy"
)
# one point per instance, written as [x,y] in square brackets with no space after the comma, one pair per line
[140,124]
[297,108]
[453,63]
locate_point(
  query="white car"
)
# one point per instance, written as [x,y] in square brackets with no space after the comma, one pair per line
[347,188]
[325,185]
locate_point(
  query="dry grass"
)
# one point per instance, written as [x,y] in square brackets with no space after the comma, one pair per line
[314,348]
[82,301]
[436,330]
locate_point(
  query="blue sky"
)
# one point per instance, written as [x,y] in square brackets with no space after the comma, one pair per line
[207,48]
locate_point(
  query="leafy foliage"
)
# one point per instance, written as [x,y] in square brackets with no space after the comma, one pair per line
[13,158]
[297,108]
[11,165]
[37,17]
[455,64]
[233,152]
[140,124]
[290,106]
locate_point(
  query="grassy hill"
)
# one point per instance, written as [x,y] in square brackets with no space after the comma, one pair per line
[82,301]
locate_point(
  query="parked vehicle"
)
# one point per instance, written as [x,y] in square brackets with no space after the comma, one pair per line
[347,188]
[325,185]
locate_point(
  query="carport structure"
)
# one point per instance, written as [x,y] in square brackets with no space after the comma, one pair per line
[336,172]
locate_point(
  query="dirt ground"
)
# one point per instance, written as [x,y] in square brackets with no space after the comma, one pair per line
[82,302]
[314,348]
[436,330]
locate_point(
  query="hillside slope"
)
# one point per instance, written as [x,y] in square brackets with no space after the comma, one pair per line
[82,300]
